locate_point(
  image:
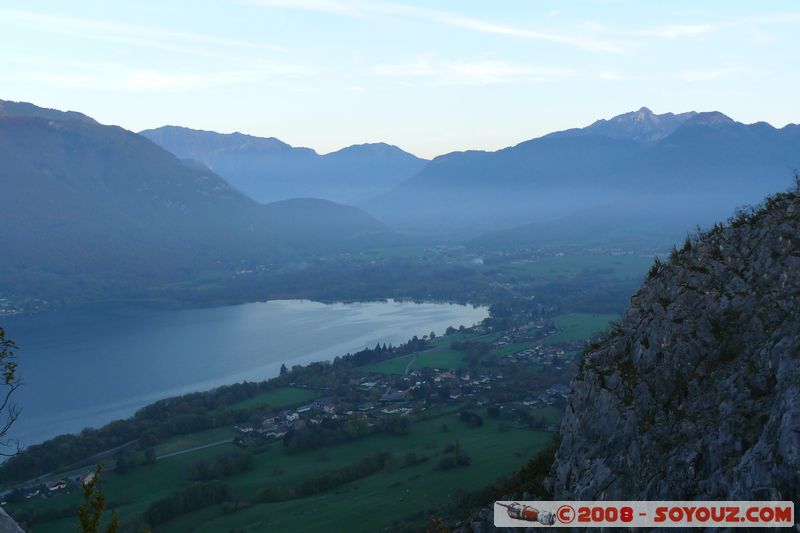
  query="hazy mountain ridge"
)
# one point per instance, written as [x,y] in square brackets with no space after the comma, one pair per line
[619,223]
[313,223]
[705,163]
[695,394]
[92,210]
[25,109]
[268,169]
[196,144]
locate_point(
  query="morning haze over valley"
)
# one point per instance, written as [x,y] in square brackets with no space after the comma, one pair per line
[348,265]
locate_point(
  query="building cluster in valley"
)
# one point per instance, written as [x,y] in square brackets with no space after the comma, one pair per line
[381,395]
[11,306]
[50,487]
[276,425]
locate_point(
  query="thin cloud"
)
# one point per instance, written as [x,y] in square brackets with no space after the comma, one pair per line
[480,72]
[141,36]
[674,31]
[105,77]
[363,9]
[333,7]
[712,74]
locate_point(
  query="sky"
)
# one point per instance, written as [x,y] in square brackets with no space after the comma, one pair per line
[430,77]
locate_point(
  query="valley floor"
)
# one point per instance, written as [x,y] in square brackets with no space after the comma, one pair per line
[448,416]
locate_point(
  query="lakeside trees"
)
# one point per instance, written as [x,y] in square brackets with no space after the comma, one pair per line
[149,426]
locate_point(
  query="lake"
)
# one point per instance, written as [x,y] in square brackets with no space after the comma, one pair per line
[85,368]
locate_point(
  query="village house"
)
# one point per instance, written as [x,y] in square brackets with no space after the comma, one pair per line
[396,396]
[55,485]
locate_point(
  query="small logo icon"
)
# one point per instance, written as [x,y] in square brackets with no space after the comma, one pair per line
[565,514]
[527,513]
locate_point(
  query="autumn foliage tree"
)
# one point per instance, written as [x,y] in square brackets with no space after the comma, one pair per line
[90,513]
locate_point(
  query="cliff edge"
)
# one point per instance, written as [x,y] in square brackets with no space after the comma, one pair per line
[695,394]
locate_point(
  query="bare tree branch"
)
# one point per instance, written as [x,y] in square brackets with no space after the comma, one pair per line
[8,410]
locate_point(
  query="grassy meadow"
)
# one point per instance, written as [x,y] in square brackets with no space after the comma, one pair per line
[579,326]
[553,268]
[398,491]
[276,398]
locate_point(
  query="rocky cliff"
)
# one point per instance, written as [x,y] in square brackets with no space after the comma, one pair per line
[7,524]
[695,394]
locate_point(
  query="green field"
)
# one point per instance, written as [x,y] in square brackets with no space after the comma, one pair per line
[571,327]
[276,398]
[440,356]
[444,358]
[620,268]
[579,326]
[552,415]
[397,491]
[129,494]
[512,348]
[187,442]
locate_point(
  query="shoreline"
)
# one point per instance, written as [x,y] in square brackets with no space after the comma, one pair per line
[129,405]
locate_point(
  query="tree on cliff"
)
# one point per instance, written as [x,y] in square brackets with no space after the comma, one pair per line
[90,513]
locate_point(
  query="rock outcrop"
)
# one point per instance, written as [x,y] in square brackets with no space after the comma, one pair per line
[7,524]
[695,394]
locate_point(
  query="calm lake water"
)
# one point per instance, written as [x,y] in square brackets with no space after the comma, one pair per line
[83,369]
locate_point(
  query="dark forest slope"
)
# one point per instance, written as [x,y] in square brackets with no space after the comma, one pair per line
[90,211]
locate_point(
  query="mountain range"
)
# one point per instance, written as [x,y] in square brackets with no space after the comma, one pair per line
[90,205]
[268,169]
[91,210]
[680,170]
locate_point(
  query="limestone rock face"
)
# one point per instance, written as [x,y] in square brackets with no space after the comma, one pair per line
[7,524]
[696,393]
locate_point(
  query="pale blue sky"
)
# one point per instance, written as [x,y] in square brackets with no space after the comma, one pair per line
[431,77]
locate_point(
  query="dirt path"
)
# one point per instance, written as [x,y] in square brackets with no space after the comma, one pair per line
[173,454]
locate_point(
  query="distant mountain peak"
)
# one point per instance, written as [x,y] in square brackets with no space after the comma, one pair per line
[642,126]
[369,147]
[380,149]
